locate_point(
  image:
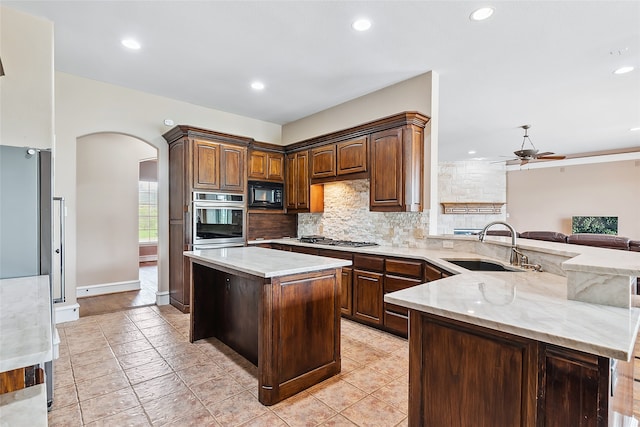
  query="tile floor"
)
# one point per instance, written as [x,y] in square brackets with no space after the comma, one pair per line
[137,368]
[109,303]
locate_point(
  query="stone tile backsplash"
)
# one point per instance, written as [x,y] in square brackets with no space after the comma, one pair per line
[346,216]
[346,207]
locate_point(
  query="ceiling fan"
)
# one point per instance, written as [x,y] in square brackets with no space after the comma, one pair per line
[525,155]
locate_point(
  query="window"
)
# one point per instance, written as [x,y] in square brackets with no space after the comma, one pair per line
[147,211]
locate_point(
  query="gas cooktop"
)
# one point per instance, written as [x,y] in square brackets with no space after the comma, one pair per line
[321,240]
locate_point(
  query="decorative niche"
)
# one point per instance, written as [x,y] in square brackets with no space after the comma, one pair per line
[472,208]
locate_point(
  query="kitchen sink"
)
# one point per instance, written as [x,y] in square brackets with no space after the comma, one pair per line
[481,265]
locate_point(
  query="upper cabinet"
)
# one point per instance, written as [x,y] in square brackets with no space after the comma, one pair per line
[397,169]
[389,152]
[352,156]
[340,160]
[297,181]
[218,166]
[266,166]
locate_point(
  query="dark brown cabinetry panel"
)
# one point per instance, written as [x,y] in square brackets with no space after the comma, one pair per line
[367,296]
[206,170]
[266,166]
[232,165]
[368,262]
[346,291]
[297,181]
[269,225]
[199,160]
[404,267]
[352,156]
[575,389]
[323,161]
[433,273]
[397,170]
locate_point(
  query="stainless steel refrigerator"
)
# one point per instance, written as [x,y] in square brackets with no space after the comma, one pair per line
[26,220]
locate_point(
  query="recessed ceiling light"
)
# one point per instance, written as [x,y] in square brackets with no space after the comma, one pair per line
[481,14]
[361,25]
[257,85]
[131,44]
[623,70]
[471,152]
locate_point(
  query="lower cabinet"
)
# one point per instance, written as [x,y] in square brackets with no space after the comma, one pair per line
[367,296]
[466,375]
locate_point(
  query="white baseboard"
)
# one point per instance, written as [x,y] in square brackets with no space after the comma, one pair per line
[67,313]
[162,298]
[107,288]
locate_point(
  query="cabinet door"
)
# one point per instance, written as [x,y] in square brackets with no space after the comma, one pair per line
[257,165]
[352,156]
[302,180]
[178,173]
[290,181]
[346,295]
[386,171]
[367,296]
[206,166]
[396,318]
[232,168]
[275,167]
[575,389]
[323,161]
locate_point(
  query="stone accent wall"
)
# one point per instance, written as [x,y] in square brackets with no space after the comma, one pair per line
[346,216]
[470,181]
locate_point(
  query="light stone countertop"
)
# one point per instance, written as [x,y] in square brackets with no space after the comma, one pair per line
[263,262]
[25,322]
[529,304]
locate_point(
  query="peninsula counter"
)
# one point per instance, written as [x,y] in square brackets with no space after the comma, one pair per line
[281,311]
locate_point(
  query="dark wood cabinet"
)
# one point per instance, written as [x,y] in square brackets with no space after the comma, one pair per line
[346,291]
[232,168]
[206,166]
[367,296]
[323,161]
[352,156]
[266,166]
[462,374]
[297,181]
[218,167]
[397,169]
[368,282]
[400,274]
[199,160]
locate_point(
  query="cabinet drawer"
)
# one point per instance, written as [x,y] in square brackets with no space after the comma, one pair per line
[335,254]
[368,262]
[304,250]
[404,267]
[396,318]
[394,283]
[432,273]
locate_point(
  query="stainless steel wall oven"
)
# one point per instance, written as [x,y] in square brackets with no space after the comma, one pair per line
[219,220]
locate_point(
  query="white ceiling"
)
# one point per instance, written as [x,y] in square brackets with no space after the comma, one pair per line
[545,63]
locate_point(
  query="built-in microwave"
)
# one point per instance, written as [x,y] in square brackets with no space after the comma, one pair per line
[266,195]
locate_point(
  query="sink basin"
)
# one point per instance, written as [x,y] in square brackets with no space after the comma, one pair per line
[481,265]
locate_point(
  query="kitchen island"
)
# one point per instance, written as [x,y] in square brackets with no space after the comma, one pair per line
[489,349]
[278,310]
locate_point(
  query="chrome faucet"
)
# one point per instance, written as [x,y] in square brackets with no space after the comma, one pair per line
[515,253]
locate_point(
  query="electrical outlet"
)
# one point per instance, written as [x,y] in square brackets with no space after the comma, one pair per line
[447,244]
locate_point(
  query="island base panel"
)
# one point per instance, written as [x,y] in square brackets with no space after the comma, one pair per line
[302,338]
[461,375]
[288,326]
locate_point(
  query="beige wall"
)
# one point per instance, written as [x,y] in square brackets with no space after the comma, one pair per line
[546,199]
[26,89]
[107,206]
[410,95]
[85,107]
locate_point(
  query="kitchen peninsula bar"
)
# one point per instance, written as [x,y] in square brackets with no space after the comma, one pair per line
[279,310]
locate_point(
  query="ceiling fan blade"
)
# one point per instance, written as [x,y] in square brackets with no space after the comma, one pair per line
[546,153]
[524,162]
[551,158]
